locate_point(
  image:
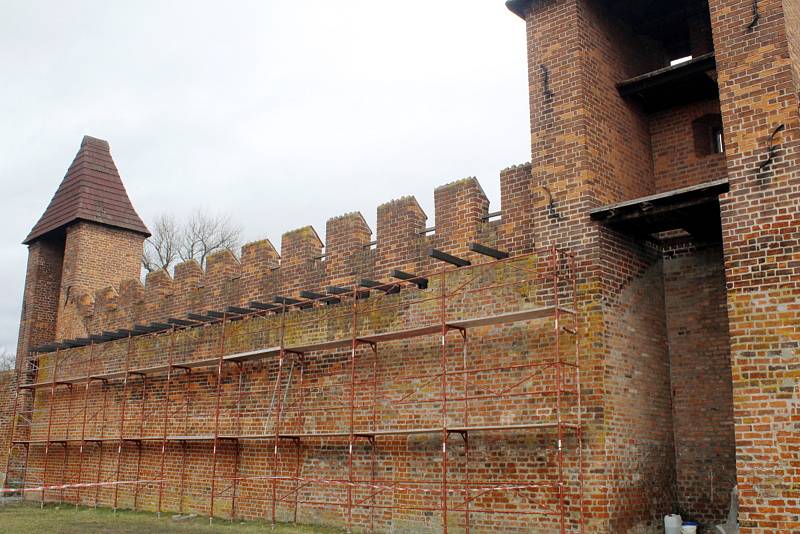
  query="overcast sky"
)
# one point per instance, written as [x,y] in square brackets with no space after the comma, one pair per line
[281,113]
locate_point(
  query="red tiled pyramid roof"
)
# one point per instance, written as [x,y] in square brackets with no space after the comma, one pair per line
[92,190]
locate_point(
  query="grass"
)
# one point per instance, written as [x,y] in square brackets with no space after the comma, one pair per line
[27,518]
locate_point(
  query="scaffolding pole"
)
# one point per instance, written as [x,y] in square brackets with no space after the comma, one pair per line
[13,430]
[165,420]
[220,362]
[139,442]
[83,422]
[51,409]
[559,386]
[238,427]
[121,436]
[277,417]
[576,334]
[443,399]
[66,446]
[351,422]
[298,444]
[465,435]
[360,423]
[104,386]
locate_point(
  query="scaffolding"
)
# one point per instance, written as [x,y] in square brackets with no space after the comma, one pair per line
[327,341]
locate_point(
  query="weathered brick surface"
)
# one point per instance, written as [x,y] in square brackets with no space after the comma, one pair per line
[7,390]
[94,256]
[40,301]
[301,265]
[677,161]
[460,210]
[322,394]
[516,227]
[260,274]
[791,14]
[347,252]
[702,396]
[400,244]
[591,148]
[639,460]
[761,221]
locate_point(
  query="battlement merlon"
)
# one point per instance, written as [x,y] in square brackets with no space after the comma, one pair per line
[349,254]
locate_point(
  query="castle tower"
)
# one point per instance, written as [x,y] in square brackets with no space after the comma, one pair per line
[666,150]
[88,237]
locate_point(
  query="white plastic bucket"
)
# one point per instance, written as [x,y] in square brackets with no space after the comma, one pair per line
[689,529]
[672,524]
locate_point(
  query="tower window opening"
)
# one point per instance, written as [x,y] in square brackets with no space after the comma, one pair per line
[708,136]
[717,141]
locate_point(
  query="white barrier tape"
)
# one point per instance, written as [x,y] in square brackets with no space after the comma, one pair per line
[312,480]
[82,485]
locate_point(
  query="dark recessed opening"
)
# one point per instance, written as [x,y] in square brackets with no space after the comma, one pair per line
[670,30]
[708,136]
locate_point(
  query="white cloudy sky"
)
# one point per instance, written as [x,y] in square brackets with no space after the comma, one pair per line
[282,113]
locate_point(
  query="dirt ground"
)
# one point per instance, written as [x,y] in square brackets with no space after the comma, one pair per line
[23,518]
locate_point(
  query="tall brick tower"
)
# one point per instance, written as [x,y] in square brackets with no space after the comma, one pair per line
[758,60]
[88,237]
[666,150]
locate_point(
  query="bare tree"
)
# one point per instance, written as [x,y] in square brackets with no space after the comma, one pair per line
[204,234]
[8,360]
[201,235]
[161,248]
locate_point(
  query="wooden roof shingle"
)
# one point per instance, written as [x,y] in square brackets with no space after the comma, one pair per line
[92,190]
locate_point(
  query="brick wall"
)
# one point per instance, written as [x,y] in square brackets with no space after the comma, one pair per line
[676,159]
[523,458]
[590,147]
[517,224]
[791,13]
[40,301]
[638,456]
[7,389]
[347,251]
[461,208]
[94,256]
[702,396]
[400,224]
[760,221]
[260,272]
[618,144]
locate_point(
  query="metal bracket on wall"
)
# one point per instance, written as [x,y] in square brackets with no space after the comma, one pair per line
[552,212]
[756,17]
[771,150]
[546,81]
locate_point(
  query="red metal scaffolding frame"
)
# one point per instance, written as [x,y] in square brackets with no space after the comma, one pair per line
[566,371]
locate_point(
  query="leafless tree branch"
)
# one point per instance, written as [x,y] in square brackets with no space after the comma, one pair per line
[200,236]
[161,249]
[7,360]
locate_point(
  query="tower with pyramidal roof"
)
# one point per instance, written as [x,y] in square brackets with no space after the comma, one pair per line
[89,236]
